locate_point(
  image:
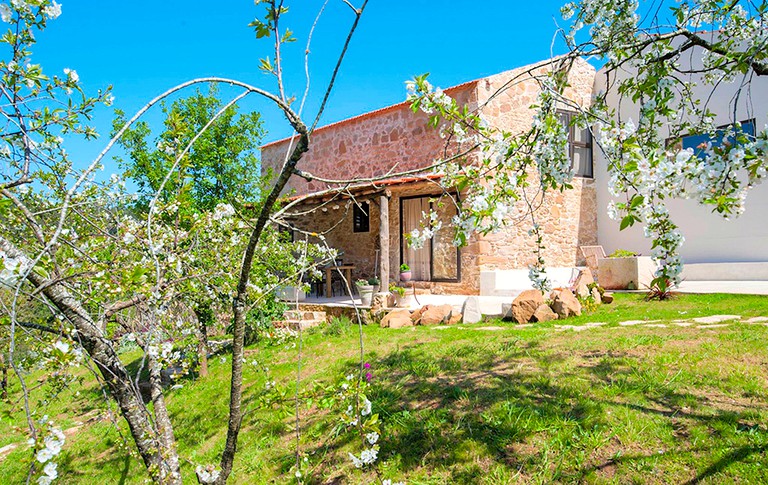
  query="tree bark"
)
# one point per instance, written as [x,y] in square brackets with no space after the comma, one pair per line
[4,384]
[166,439]
[239,306]
[202,341]
[102,352]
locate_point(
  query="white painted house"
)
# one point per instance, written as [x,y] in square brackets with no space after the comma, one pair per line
[714,248]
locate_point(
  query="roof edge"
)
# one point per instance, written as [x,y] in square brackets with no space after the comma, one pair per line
[369,114]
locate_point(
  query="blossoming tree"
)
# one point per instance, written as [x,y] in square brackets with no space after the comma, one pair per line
[646,55]
[69,242]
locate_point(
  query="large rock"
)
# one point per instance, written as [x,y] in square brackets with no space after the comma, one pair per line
[607,297]
[471,310]
[380,300]
[565,304]
[397,319]
[436,315]
[544,313]
[596,295]
[525,305]
[581,285]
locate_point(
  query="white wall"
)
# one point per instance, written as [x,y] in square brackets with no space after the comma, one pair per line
[708,237]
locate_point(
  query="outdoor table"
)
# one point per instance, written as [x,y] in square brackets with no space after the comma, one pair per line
[348,273]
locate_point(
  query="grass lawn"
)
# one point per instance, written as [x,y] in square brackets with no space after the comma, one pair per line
[484,403]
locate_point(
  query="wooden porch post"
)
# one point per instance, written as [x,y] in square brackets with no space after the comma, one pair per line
[384,242]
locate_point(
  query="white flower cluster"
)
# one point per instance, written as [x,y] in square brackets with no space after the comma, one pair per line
[367,457]
[416,238]
[551,148]
[49,444]
[223,211]
[720,175]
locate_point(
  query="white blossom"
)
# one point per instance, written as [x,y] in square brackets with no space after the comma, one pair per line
[63,347]
[71,74]
[5,13]
[53,10]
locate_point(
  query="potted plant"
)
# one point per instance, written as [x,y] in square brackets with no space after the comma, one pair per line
[625,270]
[366,292]
[405,272]
[399,293]
[375,283]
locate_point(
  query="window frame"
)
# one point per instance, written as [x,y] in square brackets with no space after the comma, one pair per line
[676,143]
[363,215]
[572,143]
[432,279]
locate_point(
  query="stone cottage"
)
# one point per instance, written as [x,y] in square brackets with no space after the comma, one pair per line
[367,222]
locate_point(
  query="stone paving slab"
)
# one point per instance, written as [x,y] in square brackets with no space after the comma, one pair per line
[716,318]
[715,325]
[756,320]
[630,323]
[575,328]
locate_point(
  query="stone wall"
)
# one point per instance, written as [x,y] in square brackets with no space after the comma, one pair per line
[396,139]
[389,140]
[334,220]
[569,218]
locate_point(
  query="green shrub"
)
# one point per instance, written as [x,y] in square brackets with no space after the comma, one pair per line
[623,253]
[340,325]
[261,317]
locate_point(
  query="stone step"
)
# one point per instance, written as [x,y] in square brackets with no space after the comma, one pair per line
[298,324]
[303,315]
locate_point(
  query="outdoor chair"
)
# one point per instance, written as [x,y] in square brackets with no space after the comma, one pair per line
[592,254]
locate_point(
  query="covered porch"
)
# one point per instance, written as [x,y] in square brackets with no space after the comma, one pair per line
[368,226]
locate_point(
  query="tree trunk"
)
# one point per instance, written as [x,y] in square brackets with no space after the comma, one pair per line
[201,329]
[116,376]
[239,305]
[166,439]
[4,384]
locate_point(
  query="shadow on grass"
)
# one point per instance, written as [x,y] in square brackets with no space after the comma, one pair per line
[531,411]
[444,411]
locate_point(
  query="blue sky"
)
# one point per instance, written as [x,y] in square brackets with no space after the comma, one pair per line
[144,47]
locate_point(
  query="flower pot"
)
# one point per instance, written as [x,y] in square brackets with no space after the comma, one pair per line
[404,301]
[366,294]
[625,273]
[405,276]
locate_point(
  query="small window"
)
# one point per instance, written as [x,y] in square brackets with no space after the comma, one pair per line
[361,217]
[579,145]
[695,141]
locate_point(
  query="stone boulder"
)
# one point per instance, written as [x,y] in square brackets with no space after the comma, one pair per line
[607,297]
[379,301]
[397,319]
[470,312]
[525,305]
[565,304]
[596,295]
[544,313]
[436,315]
[583,280]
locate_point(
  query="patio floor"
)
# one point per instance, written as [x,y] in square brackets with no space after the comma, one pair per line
[418,301]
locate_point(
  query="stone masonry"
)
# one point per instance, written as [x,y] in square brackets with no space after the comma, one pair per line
[394,139]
